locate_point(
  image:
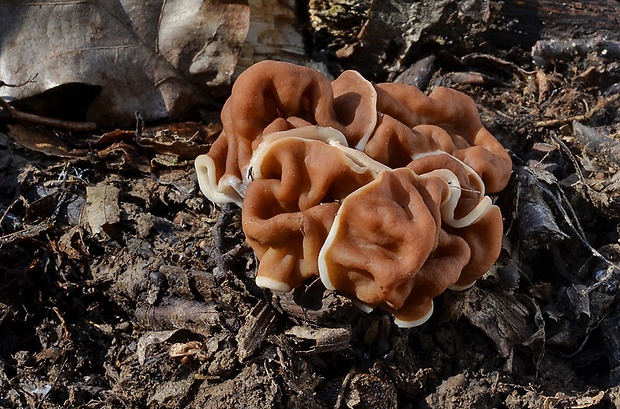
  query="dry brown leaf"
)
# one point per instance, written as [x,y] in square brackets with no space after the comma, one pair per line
[43,140]
[156,57]
[180,142]
[101,211]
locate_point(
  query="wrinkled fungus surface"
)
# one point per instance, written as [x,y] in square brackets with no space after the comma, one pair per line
[378,189]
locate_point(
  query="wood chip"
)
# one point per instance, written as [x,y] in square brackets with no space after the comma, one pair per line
[315,340]
[258,325]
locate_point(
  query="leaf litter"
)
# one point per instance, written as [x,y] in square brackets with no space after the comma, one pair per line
[123,287]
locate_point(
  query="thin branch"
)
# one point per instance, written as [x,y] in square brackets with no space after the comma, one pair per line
[602,104]
[7,112]
[31,79]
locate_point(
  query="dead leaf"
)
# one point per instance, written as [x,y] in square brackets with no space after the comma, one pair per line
[122,156]
[182,141]
[158,337]
[70,243]
[156,57]
[101,211]
[43,140]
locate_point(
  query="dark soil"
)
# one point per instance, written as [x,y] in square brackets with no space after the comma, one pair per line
[121,286]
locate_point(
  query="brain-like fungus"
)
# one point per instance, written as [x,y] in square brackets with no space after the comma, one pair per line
[378,189]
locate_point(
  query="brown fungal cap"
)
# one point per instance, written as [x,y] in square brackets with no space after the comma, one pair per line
[381,237]
[378,189]
[386,246]
[298,180]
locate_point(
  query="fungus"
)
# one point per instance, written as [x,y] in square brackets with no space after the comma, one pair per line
[299,177]
[274,96]
[377,189]
[385,245]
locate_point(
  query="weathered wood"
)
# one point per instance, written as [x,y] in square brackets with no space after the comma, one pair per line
[257,325]
[380,37]
[309,340]
[392,30]
[538,225]
[506,318]
[523,22]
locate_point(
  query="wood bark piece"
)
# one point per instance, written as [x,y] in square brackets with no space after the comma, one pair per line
[537,224]
[525,22]
[547,51]
[179,313]
[508,319]
[309,340]
[258,324]
[274,33]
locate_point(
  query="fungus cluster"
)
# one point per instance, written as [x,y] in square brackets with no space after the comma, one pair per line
[378,189]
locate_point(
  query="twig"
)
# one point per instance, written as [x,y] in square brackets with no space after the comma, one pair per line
[546,51]
[602,104]
[343,389]
[7,112]
[31,79]
[31,231]
[571,157]
[139,125]
[54,383]
[469,58]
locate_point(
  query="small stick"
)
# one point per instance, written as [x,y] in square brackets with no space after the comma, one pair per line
[31,79]
[8,112]
[596,108]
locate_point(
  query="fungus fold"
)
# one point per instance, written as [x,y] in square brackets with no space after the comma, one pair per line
[378,189]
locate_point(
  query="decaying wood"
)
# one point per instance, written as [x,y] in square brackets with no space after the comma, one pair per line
[307,340]
[179,313]
[507,319]
[547,51]
[525,22]
[274,34]
[537,225]
[258,324]
[378,37]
